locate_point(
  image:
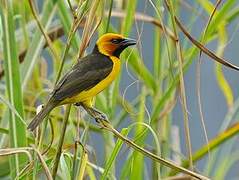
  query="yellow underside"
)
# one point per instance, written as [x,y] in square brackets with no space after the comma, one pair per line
[86,97]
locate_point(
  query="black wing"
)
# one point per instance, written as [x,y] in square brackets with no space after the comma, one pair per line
[87,73]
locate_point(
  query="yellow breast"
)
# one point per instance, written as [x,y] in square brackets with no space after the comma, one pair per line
[86,96]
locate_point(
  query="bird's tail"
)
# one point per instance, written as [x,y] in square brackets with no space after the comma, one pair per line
[41,115]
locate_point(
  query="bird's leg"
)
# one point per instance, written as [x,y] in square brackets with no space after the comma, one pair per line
[95,113]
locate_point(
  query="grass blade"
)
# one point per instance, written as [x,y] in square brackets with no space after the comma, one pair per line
[37,43]
[129,18]
[67,21]
[114,154]
[17,128]
[221,80]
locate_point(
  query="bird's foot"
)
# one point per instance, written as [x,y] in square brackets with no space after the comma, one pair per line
[100,117]
[102,122]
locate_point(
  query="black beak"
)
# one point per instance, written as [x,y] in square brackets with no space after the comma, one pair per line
[128,42]
[124,44]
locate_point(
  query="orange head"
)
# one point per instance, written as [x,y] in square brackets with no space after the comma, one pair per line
[111,44]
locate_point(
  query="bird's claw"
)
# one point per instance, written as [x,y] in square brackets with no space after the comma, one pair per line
[102,116]
[102,119]
[99,117]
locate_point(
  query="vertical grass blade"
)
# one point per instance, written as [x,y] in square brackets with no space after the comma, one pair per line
[221,80]
[137,170]
[17,129]
[129,18]
[37,42]
[114,154]
[66,21]
[182,85]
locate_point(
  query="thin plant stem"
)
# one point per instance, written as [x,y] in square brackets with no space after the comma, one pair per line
[205,50]
[198,77]
[72,9]
[106,125]
[61,140]
[48,40]
[182,86]
[109,16]
[213,144]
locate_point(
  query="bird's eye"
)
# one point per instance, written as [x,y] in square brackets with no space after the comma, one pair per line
[115,41]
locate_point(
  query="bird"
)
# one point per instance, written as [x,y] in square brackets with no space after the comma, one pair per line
[88,77]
